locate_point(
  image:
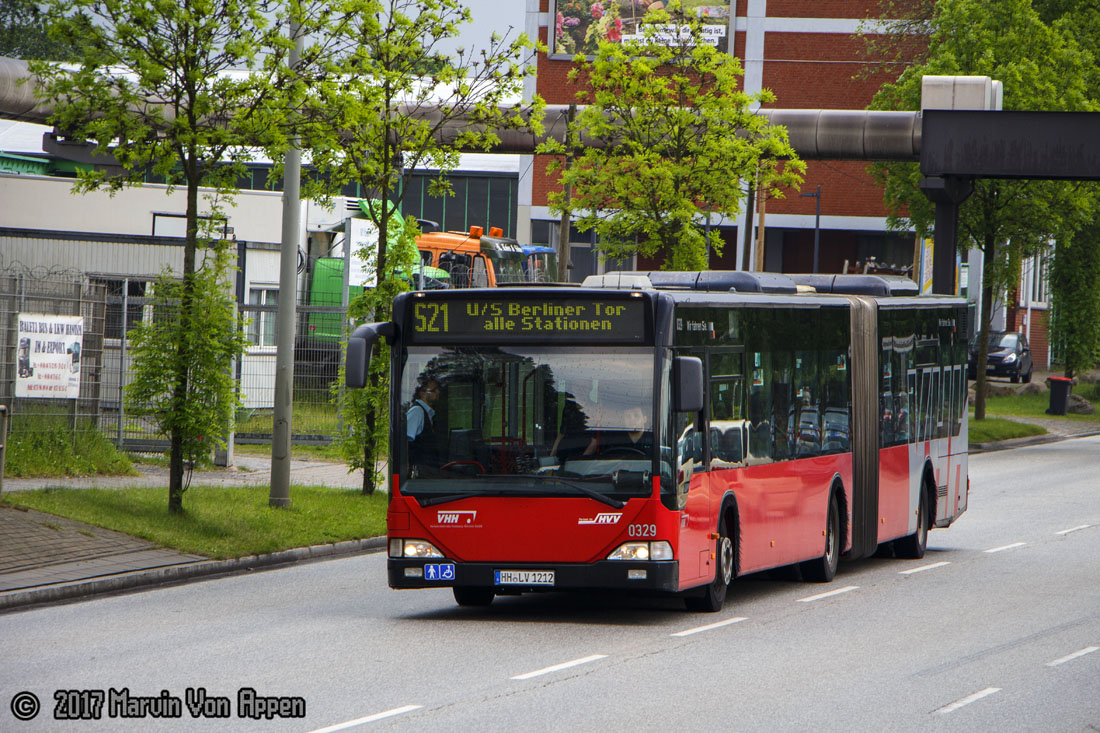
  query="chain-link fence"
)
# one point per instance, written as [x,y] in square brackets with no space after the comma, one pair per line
[66,358]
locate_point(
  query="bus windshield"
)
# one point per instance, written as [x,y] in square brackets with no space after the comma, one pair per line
[556,422]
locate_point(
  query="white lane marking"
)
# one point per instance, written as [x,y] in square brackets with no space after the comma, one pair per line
[922,568]
[708,627]
[967,700]
[836,592]
[1006,547]
[1075,655]
[1074,529]
[558,667]
[368,719]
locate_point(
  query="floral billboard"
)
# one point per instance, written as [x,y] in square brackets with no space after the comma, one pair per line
[580,25]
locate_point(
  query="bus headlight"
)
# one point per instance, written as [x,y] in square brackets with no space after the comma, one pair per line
[642,551]
[413,548]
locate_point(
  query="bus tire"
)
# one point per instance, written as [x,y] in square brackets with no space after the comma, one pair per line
[823,569]
[472,595]
[913,546]
[713,596]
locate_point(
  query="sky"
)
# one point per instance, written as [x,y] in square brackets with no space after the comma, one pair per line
[490,16]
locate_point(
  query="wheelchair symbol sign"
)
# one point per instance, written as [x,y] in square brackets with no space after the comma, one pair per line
[439,572]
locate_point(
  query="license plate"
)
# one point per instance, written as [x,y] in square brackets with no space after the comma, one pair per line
[524,577]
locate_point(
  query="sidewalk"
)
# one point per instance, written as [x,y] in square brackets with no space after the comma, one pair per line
[46,559]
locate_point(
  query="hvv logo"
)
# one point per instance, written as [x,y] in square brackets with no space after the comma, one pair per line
[603,518]
[462,516]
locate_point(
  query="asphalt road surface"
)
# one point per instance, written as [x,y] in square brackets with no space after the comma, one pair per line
[997,628]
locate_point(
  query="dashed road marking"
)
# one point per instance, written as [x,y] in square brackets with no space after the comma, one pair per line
[708,627]
[836,592]
[967,700]
[922,568]
[1075,655]
[368,719]
[559,667]
[1073,529]
[1005,547]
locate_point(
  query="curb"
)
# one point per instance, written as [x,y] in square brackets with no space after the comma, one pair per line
[172,574]
[1011,443]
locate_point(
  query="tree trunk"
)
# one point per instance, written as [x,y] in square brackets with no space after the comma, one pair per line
[984,322]
[183,351]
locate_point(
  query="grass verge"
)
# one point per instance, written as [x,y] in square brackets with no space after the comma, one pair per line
[993,429]
[43,446]
[220,522]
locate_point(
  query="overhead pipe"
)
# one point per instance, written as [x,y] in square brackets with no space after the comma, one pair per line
[815,134]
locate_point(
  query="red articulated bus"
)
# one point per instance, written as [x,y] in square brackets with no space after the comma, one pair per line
[667,432]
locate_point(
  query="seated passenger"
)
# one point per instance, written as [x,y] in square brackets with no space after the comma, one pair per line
[634,438]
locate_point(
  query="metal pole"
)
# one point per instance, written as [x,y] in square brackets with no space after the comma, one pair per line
[817,224]
[284,322]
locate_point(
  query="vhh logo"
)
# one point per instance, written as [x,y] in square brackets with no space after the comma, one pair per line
[462,516]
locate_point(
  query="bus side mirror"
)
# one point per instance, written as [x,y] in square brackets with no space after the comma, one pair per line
[687,376]
[360,344]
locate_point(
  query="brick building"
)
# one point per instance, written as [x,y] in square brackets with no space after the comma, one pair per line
[809,56]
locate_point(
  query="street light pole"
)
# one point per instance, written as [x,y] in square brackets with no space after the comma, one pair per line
[817,224]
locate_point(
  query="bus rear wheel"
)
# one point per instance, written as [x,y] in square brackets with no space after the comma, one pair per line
[713,596]
[823,569]
[470,595]
[913,546]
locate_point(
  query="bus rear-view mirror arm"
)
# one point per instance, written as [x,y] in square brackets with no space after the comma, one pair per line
[360,344]
[687,374]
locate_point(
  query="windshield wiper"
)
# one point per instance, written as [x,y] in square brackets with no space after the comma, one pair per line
[591,493]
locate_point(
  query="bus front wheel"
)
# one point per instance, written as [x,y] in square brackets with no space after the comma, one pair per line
[469,595]
[823,569]
[713,596]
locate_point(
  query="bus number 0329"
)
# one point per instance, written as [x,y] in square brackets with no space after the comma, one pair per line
[641,530]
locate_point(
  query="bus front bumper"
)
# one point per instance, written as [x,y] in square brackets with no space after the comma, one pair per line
[663,575]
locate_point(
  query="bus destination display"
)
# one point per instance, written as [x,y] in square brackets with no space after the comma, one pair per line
[619,321]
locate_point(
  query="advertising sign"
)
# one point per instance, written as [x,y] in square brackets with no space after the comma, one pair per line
[48,356]
[580,25]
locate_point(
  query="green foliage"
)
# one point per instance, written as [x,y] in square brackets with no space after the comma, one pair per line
[50,445]
[1075,288]
[183,378]
[185,91]
[365,432]
[221,522]
[23,35]
[368,122]
[1042,68]
[676,138]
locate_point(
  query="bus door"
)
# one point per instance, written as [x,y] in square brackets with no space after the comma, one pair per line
[693,492]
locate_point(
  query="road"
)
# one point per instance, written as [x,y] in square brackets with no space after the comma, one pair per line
[997,628]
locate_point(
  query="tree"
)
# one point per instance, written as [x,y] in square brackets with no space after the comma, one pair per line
[396,88]
[673,136]
[181,91]
[1075,288]
[1075,273]
[214,341]
[24,35]
[1041,68]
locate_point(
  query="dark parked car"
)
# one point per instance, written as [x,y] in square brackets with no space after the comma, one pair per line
[1009,356]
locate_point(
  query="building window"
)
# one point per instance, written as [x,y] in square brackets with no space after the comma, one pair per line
[261,329]
[1034,279]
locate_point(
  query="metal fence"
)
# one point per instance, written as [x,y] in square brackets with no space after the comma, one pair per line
[80,386]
